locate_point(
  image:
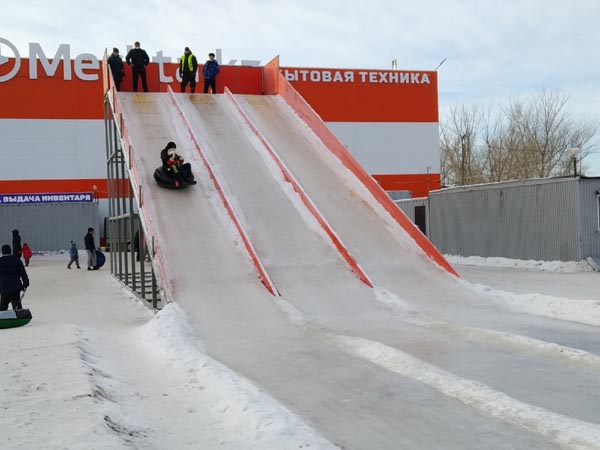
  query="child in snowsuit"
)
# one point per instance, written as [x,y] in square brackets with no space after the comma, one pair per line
[74,256]
[27,253]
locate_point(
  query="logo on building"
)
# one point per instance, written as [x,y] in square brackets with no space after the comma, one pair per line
[16,59]
[86,66]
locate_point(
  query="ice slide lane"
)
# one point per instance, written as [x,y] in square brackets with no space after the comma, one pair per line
[340,302]
[353,403]
[403,270]
[383,250]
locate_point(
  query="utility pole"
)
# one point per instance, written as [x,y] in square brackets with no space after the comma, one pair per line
[574,152]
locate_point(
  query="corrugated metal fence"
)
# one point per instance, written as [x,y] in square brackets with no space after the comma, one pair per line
[549,219]
[48,227]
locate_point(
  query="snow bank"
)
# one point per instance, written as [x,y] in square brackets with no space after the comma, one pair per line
[582,311]
[542,266]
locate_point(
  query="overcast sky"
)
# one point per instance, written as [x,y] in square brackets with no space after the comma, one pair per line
[495,50]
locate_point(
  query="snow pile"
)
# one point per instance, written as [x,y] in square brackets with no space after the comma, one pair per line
[542,266]
[582,311]
[233,410]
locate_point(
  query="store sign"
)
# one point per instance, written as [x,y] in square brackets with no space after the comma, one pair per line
[86,65]
[16,199]
[359,76]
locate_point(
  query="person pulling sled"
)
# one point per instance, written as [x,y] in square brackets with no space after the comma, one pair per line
[174,172]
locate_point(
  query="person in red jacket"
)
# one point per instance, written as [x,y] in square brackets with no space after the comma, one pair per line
[27,253]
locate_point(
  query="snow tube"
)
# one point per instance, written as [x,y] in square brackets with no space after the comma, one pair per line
[12,319]
[100,259]
[164,180]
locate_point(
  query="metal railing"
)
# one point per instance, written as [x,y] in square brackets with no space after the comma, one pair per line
[130,254]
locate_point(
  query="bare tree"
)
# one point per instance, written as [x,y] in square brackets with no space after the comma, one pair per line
[458,138]
[525,139]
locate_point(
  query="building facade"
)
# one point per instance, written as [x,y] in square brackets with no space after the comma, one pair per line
[53,130]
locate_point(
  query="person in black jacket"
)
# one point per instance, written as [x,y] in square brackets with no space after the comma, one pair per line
[90,247]
[13,279]
[188,65]
[116,67]
[16,243]
[138,59]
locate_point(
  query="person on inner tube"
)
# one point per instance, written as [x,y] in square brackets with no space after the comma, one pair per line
[174,166]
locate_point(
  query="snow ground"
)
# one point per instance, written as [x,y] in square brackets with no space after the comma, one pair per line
[546,288]
[96,369]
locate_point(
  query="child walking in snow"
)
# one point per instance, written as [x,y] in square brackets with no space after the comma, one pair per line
[74,256]
[27,253]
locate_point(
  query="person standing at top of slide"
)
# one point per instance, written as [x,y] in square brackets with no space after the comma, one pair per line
[209,72]
[138,59]
[188,65]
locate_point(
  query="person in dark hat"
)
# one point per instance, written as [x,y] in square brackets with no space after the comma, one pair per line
[16,243]
[13,279]
[116,67]
[138,59]
[175,167]
[90,248]
[188,65]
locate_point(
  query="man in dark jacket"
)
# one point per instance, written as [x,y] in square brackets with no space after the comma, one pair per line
[188,65]
[90,248]
[116,67]
[209,72]
[13,279]
[16,243]
[138,59]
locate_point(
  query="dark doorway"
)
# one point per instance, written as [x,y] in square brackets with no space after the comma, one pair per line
[421,219]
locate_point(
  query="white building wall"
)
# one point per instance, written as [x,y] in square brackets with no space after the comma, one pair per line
[392,148]
[53,149]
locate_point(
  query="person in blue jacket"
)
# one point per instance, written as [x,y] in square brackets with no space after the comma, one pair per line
[74,254]
[209,72]
[13,279]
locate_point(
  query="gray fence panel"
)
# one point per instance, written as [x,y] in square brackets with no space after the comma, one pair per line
[49,227]
[523,220]
[589,193]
